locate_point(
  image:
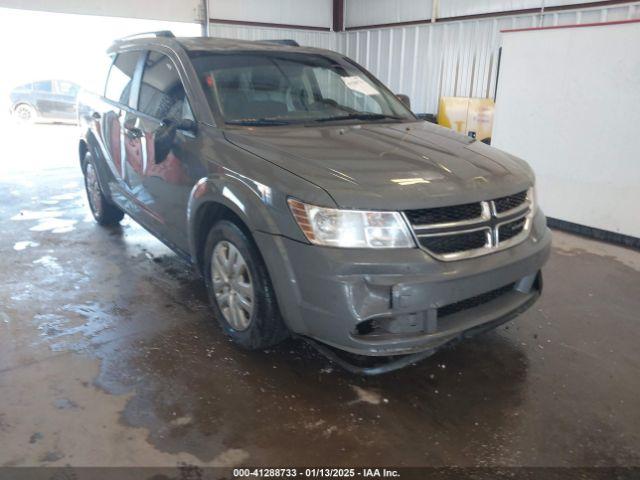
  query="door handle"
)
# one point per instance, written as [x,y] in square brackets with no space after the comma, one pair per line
[133,132]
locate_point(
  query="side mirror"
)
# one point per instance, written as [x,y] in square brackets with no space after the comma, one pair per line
[404,99]
[187,125]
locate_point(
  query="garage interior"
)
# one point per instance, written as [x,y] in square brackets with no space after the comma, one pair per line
[108,352]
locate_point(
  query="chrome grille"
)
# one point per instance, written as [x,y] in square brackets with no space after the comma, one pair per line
[509,203]
[509,230]
[455,243]
[444,214]
[472,229]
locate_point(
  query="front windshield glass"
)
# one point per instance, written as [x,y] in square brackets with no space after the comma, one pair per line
[279,88]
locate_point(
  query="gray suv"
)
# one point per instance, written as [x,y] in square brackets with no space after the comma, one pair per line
[310,198]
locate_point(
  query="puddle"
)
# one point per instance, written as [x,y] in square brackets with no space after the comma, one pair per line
[49,262]
[367,396]
[66,196]
[24,245]
[77,326]
[36,215]
[51,325]
[55,225]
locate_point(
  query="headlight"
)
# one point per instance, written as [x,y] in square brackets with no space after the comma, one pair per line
[351,228]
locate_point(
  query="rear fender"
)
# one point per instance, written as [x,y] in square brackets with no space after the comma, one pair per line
[91,145]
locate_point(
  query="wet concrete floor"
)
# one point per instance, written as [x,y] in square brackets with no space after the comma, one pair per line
[109,356]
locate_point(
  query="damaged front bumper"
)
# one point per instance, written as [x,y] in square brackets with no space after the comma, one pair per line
[398,302]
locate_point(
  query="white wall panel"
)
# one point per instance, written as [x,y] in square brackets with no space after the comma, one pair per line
[315,13]
[575,124]
[169,10]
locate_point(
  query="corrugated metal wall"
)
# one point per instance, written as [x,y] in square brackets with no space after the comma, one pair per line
[452,58]
[315,13]
[432,60]
[456,8]
[375,12]
[309,38]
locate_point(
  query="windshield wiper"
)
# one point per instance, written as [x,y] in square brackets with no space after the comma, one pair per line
[258,121]
[360,116]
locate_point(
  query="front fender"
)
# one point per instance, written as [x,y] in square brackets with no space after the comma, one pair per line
[266,214]
[260,207]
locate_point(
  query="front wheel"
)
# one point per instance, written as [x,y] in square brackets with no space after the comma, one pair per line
[104,212]
[240,289]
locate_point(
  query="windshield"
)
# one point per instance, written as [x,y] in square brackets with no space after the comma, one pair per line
[280,88]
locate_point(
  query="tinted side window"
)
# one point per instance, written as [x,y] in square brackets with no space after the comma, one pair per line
[68,88]
[44,86]
[120,77]
[162,94]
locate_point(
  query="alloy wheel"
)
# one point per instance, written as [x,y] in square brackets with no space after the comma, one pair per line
[232,285]
[93,190]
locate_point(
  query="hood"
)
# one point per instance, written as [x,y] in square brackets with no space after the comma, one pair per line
[389,166]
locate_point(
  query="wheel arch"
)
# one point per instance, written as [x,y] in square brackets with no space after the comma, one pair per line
[83,149]
[207,215]
[224,197]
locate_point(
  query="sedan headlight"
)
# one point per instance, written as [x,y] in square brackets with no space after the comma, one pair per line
[351,228]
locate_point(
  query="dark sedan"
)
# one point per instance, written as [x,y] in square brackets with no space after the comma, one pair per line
[46,100]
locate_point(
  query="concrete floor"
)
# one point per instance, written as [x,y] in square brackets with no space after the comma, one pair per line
[109,356]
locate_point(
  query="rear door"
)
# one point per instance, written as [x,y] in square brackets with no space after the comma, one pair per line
[66,94]
[166,159]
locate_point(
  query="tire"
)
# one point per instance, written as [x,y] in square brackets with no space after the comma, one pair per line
[104,212]
[263,326]
[25,113]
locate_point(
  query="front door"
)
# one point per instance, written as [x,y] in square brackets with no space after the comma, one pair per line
[165,161]
[45,99]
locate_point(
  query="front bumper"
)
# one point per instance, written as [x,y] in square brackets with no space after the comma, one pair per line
[394,302]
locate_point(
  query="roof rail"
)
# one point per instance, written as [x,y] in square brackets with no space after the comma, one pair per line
[284,41]
[160,33]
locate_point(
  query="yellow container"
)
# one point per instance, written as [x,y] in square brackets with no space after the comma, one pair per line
[466,115]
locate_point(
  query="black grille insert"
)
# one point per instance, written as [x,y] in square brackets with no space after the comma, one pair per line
[509,203]
[454,243]
[473,301]
[511,229]
[456,213]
